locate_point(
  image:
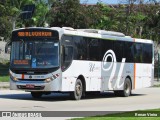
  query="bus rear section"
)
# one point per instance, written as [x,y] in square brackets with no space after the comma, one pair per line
[99,65]
[144,63]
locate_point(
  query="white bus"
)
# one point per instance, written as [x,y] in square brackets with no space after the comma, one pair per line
[77,61]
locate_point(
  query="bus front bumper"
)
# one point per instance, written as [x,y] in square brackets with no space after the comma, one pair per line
[30,85]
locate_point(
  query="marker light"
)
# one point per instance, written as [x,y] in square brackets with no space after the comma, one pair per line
[13,78]
[52,78]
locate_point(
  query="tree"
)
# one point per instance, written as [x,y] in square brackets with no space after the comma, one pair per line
[5,20]
[65,13]
[10,11]
[136,18]
[72,13]
[103,17]
[152,23]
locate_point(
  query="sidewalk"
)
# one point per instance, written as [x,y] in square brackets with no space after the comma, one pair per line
[5,85]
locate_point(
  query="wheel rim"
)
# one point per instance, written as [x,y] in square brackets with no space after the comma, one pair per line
[127,88]
[78,89]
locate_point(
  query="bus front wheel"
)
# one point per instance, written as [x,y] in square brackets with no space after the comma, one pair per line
[36,94]
[78,90]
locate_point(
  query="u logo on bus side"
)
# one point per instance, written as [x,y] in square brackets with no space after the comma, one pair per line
[108,66]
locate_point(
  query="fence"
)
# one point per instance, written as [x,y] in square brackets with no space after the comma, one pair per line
[156,73]
[4,67]
[157,68]
[4,71]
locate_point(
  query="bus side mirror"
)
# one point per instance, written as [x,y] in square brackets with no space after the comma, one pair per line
[8,47]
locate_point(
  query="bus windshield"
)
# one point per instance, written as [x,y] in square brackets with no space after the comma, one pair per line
[35,54]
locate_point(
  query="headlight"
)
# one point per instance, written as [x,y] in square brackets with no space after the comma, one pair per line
[52,78]
[48,79]
[13,78]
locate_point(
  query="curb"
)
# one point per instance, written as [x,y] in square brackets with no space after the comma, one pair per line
[4,85]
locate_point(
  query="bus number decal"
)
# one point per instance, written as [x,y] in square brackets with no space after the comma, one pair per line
[91,67]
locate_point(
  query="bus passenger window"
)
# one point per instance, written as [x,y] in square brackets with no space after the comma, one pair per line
[80,52]
[147,53]
[93,49]
[138,53]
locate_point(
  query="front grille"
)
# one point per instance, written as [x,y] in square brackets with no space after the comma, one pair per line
[23,87]
[31,79]
[31,72]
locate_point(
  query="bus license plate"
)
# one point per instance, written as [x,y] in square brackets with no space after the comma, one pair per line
[30,86]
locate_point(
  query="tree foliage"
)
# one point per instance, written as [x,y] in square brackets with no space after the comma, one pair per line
[136,18]
[10,11]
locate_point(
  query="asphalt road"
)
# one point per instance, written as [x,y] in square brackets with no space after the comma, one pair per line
[146,98]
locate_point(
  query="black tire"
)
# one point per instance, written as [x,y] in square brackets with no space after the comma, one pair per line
[117,93]
[78,90]
[126,90]
[36,94]
[93,93]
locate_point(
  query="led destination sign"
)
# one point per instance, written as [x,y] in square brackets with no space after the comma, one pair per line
[35,34]
[28,34]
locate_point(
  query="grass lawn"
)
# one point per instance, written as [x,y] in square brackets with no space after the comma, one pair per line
[4,78]
[156,85]
[126,116]
[4,72]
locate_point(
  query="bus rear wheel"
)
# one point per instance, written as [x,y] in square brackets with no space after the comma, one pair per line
[126,89]
[78,90]
[36,94]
